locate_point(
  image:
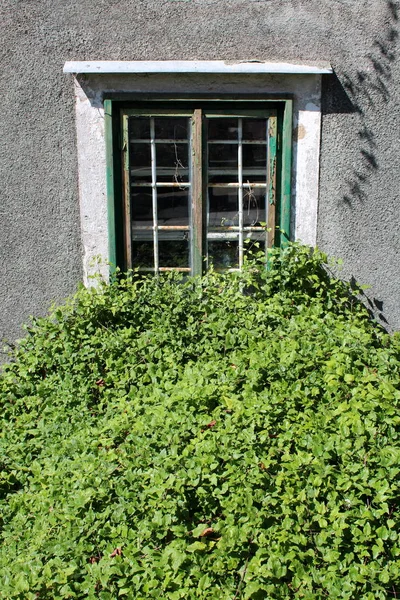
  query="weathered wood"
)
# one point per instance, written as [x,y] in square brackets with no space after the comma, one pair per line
[126,191]
[271,179]
[197,192]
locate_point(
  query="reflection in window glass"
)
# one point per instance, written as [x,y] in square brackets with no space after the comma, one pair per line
[172,206]
[140,157]
[222,129]
[142,205]
[171,128]
[139,128]
[173,253]
[223,254]
[254,129]
[253,207]
[223,207]
[142,253]
[222,156]
[254,156]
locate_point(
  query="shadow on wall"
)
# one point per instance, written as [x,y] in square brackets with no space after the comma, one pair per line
[373,305]
[363,89]
[359,93]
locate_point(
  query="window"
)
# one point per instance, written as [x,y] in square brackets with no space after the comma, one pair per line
[105,89]
[197,184]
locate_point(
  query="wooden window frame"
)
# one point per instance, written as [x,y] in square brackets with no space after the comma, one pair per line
[114,110]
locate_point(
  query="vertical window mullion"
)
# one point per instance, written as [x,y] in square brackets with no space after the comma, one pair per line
[154,192]
[127,192]
[197,192]
[240,190]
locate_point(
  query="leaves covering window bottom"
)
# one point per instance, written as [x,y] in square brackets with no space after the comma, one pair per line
[230,437]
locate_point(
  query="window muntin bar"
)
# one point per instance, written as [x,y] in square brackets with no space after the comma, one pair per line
[154,191]
[164,184]
[233,228]
[165,269]
[163,141]
[161,228]
[164,176]
[234,235]
[224,178]
[234,142]
[244,185]
[240,189]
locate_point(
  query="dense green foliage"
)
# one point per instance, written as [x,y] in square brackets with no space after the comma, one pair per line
[231,437]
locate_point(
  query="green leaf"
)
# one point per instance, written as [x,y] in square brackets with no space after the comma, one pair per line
[196,546]
[236,434]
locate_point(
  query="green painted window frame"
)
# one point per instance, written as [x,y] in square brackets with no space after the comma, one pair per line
[115,106]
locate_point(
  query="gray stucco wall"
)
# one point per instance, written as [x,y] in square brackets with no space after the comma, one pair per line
[40,244]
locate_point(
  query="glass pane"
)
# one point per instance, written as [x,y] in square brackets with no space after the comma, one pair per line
[142,205]
[254,156]
[173,249]
[223,254]
[140,162]
[173,175]
[254,129]
[172,162]
[139,128]
[172,155]
[254,244]
[226,176]
[172,206]
[142,253]
[255,175]
[223,207]
[223,129]
[140,155]
[253,206]
[172,128]
[222,156]
[255,163]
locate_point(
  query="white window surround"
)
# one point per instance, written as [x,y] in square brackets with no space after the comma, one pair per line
[194,66]
[263,79]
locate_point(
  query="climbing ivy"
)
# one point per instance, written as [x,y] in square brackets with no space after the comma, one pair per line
[235,436]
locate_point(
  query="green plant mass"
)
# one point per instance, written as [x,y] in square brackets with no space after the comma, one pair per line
[230,437]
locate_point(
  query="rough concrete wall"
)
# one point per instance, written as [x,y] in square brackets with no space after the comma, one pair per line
[359,214]
[358,217]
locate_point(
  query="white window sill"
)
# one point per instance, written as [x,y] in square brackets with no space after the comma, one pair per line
[195,66]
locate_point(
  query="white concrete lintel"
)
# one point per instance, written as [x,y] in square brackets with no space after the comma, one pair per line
[195,66]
